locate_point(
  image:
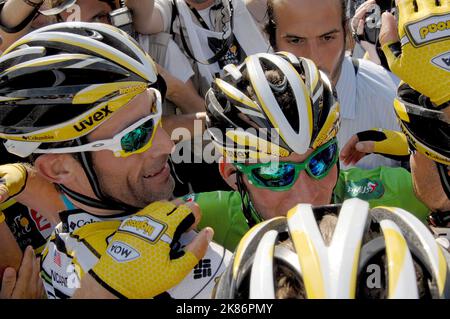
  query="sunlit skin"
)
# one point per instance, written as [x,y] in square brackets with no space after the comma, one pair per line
[91,11]
[139,179]
[427,184]
[136,180]
[312,29]
[270,203]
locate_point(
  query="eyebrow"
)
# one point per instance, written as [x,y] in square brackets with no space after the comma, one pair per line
[288,35]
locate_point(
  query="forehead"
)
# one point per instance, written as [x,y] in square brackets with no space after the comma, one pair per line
[307,17]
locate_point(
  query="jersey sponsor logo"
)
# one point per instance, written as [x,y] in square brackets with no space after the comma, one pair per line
[434,28]
[365,189]
[202,269]
[92,119]
[442,61]
[190,198]
[41,222]
[38,138]
[79,220]
[58,278]
[144,227]
[122,252]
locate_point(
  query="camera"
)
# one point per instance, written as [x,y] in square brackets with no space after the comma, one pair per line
[122,18]
[372,23]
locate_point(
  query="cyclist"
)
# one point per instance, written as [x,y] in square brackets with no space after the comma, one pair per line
[338,251]
[92,126]
[296,95]
[422,104]
[290,96]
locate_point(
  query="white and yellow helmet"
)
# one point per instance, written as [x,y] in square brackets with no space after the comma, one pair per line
[373,253]
[62,81]
[298,108]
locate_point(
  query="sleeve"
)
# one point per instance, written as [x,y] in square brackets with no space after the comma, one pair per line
[165,9]
[176,63]
[381,88]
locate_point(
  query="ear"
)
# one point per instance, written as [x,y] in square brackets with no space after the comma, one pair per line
[228,173]
[57,168]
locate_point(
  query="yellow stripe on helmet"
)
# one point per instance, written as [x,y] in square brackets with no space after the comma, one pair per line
[330,128]
[227,89]
[47,61]
[400,111]
[95,92]
[310,265]
[77,127]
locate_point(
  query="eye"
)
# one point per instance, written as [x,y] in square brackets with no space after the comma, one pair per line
[328,38]
[101,17]
[295,40]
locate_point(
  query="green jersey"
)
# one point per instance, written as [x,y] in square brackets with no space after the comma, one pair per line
[383,186]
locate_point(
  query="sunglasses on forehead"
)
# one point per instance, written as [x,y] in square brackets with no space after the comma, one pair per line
[281,176]
[135,139]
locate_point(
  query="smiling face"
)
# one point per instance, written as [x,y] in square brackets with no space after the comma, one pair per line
[138,179]
[311,29]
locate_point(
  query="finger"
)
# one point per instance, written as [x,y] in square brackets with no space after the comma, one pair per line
[426,5]
[3,193]
[199,245]
[365,147]
[38,280]
[360,28]
[35,279]
[197,213]
[349,146]
[389,30]
[25,272]
[362,9]
[178,201]
[406,8]
[8,283]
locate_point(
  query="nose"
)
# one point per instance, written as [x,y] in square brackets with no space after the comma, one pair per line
[305,190]
[162,144]
[314,53]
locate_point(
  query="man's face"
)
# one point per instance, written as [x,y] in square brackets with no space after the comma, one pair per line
[89,11]
[427,184]
[138,179]
[312,29]
[270,203]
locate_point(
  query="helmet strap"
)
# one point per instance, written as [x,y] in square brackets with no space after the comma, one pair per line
[103,202]
[250,213]
[444,175]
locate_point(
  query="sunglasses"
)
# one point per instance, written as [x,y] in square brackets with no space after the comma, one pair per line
[281,176]
[135,139]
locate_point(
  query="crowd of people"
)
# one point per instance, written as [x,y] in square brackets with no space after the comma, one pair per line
[314,139]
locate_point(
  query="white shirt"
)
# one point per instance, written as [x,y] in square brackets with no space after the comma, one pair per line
[175,61]
[366,101]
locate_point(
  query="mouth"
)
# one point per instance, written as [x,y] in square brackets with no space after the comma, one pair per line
[162,171]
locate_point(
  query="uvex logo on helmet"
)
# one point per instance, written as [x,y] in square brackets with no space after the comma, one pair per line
[92,119]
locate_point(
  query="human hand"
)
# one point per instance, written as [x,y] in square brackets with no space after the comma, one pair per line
[153,265]
[422,59]
[391,144]
[26,283]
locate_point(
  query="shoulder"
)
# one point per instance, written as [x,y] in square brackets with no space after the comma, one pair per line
[165,8]
[373,75]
